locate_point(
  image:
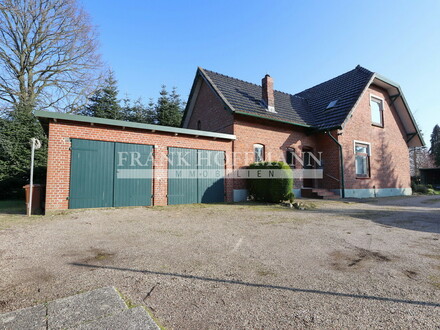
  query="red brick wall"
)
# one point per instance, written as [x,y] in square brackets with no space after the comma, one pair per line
[276,138]
[330,160]
[211,112]
[389,161]
[58,173]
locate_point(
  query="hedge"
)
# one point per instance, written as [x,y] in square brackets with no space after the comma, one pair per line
[274,189]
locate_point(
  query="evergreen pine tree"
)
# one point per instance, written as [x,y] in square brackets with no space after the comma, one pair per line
[16,131]
[169,108]
[138,112]
[104,101]
[435,145]
[151,112]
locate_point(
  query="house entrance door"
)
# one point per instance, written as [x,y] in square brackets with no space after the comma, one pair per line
[309,164]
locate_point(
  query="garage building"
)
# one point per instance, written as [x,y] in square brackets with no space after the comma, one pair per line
[96,162]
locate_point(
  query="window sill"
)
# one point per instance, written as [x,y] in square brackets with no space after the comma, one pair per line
[363,177]
[377,125]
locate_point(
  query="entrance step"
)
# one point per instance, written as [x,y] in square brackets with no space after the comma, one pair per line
[318,193]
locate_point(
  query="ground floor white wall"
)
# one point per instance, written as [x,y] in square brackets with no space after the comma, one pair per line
[241,195]
[371,193]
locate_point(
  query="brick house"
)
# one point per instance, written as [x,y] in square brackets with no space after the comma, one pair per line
[355,129]
[359,123]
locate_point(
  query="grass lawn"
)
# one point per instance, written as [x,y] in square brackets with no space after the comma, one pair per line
[13,212]
[14,206]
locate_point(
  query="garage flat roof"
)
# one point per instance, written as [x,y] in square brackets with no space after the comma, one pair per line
[44,116]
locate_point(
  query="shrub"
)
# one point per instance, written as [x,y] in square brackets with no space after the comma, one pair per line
[274,189]
[420,188]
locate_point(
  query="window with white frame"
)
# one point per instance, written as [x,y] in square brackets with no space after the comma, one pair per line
[258,152]
[376,106]
[362,159]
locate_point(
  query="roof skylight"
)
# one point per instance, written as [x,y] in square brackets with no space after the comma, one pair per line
[332,104]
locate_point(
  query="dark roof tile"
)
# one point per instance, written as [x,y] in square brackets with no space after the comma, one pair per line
[305,108]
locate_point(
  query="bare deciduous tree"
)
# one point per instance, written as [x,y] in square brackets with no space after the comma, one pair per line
[48,55]
[419,158]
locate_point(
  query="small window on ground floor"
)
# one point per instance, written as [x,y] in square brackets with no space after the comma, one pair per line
[290,157]
[258,152]
[362,159]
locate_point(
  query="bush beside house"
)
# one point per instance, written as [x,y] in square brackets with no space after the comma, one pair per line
[274,189]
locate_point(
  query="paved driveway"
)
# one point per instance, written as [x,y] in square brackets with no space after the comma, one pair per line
[352,264]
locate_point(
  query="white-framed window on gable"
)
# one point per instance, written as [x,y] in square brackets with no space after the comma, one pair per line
[362,151]
[258,152]
[376,106]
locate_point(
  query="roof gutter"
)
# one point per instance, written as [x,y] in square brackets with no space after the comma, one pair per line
[341,163]
[48,115]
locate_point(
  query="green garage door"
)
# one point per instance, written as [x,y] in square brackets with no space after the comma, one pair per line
[106,174]
[195,176]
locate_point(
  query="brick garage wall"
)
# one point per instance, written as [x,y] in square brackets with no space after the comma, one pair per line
[389,161]
[276,138]
[58,163]
[211,112]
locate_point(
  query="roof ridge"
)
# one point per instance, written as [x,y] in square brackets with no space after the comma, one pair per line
[357,68]
[247,82]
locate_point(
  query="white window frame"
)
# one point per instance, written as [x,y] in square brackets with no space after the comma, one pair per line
[368,159]
[377,99]
[259,145]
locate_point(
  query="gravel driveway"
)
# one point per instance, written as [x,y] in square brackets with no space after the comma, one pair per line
[352,264]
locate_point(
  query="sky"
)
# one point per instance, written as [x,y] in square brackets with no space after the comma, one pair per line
[299,43]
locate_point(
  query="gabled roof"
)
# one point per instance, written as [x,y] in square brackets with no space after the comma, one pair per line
[309,108]
[345,89]
[244,97]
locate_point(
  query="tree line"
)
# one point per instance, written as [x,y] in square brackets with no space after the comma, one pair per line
[49,60]
[19,125]
[104,103]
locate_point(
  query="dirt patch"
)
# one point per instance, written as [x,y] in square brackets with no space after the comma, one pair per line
[435,281]
[356,259]
[97,255]
[411,274]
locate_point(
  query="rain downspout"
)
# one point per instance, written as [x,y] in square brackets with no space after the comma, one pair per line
[341,162]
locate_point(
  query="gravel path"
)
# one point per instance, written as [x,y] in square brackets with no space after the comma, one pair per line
[346,264]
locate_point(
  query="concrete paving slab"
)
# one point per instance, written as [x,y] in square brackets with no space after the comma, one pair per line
[131,319]
[85,307]
[28,318]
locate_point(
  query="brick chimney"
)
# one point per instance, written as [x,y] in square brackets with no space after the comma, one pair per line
[267,93]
